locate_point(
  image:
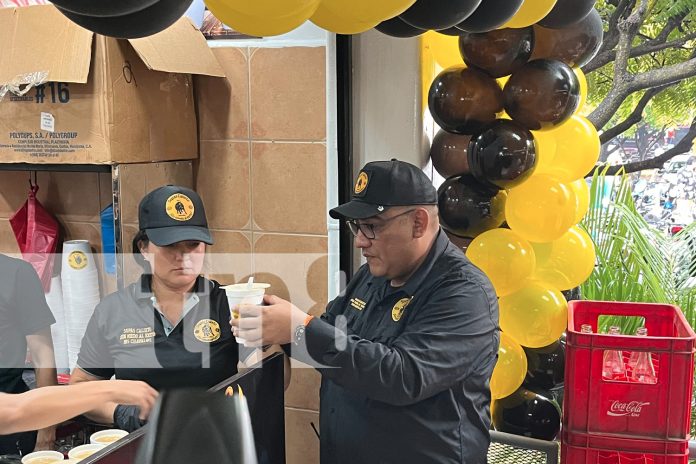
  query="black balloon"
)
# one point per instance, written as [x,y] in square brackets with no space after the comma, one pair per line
[502,154]
[468,208]
[500,52]
[395,27]
[575,45]
[452,31]
[449,153]
[461,242]
[146,22]
[545,366]
[567,12]
[104,8]
[528,414]
[464,100]
[490,15]
[439,14]
[542,94]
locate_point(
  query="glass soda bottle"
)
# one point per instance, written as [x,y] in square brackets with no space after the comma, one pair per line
[633,359]
[644,370]
[613,367]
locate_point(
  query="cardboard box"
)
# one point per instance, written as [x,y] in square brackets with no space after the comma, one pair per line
[98,100]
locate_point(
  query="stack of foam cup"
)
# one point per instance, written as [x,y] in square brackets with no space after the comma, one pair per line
[80,285]
[59,333]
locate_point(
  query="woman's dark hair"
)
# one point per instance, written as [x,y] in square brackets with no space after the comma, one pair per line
[139,240]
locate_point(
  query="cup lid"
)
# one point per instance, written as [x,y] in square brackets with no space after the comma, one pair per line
[244,287]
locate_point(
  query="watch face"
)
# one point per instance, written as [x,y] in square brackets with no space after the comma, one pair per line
[299,334]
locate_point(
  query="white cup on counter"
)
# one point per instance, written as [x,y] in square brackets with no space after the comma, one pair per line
[106,437]
[42,457]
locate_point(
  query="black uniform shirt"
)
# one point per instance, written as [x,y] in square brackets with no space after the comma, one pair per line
[126,337]
[409,367]
[23,311]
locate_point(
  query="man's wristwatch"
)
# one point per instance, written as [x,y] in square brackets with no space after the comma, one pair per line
[300,330]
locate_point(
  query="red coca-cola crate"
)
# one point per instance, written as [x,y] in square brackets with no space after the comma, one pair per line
[624,409]
[580,448]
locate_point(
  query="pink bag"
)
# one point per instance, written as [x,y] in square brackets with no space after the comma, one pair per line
[36,231]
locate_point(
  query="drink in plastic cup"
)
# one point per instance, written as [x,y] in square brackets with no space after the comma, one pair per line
[42,457]
[106,437]
[244,294]
[84,451]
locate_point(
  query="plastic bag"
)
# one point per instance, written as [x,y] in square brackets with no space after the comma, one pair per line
[36,231]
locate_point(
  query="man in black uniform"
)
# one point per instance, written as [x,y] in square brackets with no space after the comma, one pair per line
[407,352]
[25,320]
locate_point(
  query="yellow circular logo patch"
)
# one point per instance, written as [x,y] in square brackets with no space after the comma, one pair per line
[398,309]
[361,183]
[77,260]
[207,330]
[179,207]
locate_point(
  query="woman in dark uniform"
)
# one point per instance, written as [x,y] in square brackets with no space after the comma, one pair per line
[169,329]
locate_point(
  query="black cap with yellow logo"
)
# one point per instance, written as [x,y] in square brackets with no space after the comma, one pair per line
[382,184]
[173,214]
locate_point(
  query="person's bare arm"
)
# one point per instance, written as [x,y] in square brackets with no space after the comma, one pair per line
[43,407]
[102,413]
[40,346]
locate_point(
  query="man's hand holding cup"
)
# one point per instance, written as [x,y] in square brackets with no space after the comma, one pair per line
[271,324]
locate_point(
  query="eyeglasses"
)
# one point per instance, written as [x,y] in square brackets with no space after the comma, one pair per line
[368,230]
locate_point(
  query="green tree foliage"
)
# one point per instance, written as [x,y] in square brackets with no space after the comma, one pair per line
[645,71]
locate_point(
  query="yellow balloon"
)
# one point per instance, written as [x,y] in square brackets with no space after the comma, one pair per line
[583,89]
[545,145]
[582,195]
[366,10]
[445,48]
[275,8]
[534,316]
[505,257]
[577,149]
[531,12]
[567,262]
[510,369]
[541,209]
[263,18]
[340,23]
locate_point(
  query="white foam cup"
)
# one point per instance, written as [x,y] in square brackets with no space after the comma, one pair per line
[251,294]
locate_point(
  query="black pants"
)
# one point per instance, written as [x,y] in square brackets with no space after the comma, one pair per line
[18,443]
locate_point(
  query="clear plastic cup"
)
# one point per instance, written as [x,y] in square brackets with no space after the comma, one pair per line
[244,294]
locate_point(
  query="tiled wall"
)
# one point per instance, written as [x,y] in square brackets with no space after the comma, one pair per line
[262,176]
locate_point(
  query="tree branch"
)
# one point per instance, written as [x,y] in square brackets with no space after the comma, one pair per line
[620,89]
[647,48]
[656,162]
[663,76]
[611,36]
[635,117]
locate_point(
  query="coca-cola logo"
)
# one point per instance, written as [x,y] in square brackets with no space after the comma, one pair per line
[631,408]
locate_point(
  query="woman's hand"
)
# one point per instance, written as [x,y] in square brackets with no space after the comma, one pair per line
[133,392]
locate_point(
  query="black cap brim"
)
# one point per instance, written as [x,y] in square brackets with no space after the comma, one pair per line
[164,236]
[356,209]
